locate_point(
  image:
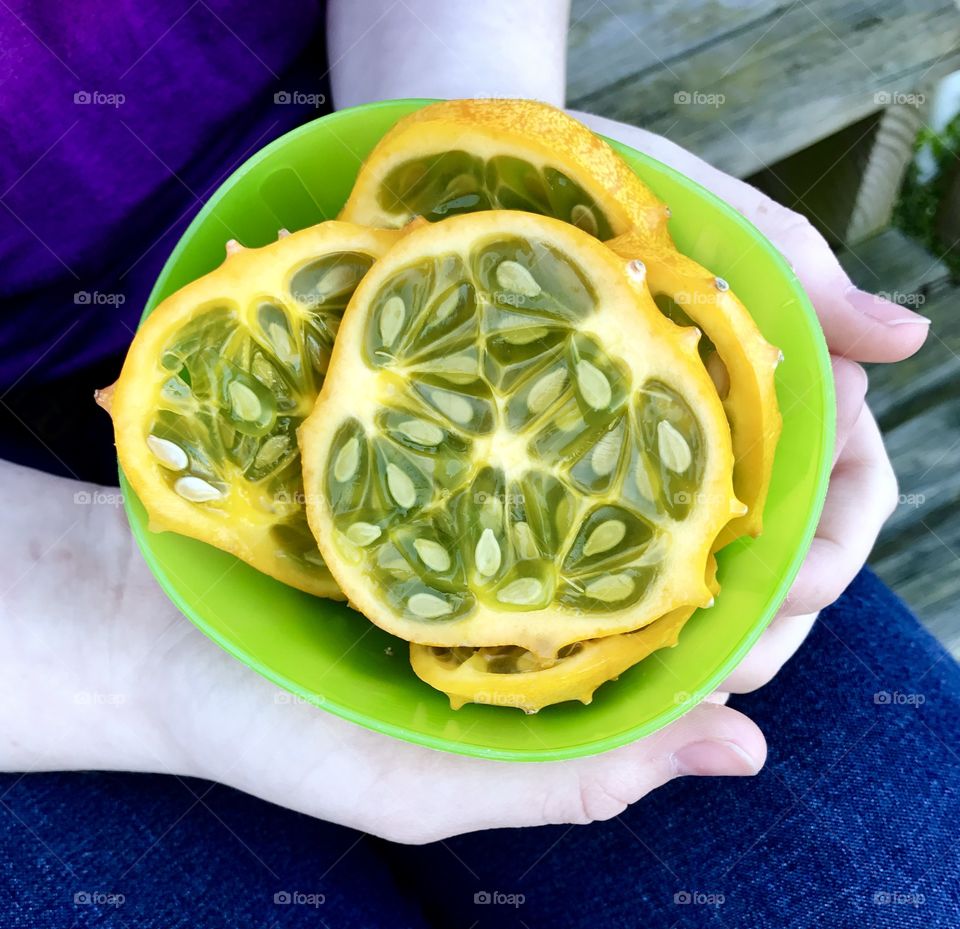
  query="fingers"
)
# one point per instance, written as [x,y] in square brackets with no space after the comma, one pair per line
[463,794]
[718,696]
[710,740]
[862,495]
[858,503]
[850,384]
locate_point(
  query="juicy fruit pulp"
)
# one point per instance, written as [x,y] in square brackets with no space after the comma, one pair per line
[513,446]
[464,156]
[458,182]
[216,383]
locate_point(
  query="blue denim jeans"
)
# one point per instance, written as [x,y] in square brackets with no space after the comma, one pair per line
[852,823]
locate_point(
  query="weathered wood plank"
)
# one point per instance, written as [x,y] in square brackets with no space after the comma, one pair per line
[894,263]
[789,73]
[925,450]
[634,38]
[903,271]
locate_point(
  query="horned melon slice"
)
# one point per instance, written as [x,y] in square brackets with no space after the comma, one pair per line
[215,384]
[461,156]
[741,363]
[513,446]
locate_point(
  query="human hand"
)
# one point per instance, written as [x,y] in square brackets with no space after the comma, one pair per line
[859,327]
[229,725]
[189,708]
[101,672]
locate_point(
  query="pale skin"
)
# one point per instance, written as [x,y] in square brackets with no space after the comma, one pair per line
[100,671]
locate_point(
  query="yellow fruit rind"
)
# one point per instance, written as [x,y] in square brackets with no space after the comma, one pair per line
[746,379]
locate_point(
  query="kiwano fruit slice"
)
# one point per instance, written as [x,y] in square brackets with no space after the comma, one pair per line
[512,676]
[741,363]
[215,384]
[462,156]
[513,446]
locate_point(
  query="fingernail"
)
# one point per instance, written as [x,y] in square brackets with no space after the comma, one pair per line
[714,758]
[883,310]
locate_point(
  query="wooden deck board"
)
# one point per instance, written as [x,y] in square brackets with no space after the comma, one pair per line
[789,73]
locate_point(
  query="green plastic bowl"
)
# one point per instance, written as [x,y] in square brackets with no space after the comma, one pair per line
[327,654]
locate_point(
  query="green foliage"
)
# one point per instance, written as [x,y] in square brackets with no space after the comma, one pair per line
[921,201]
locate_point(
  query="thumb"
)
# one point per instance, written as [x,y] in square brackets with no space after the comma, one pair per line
[710,740]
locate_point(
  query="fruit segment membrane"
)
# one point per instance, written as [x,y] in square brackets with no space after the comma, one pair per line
[453,182]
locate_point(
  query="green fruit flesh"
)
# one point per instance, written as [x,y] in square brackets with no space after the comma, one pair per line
[511,460]
[452,182]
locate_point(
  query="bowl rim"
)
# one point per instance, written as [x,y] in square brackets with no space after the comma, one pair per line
[582,748]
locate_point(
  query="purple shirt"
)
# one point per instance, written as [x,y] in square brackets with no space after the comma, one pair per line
[116,121]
